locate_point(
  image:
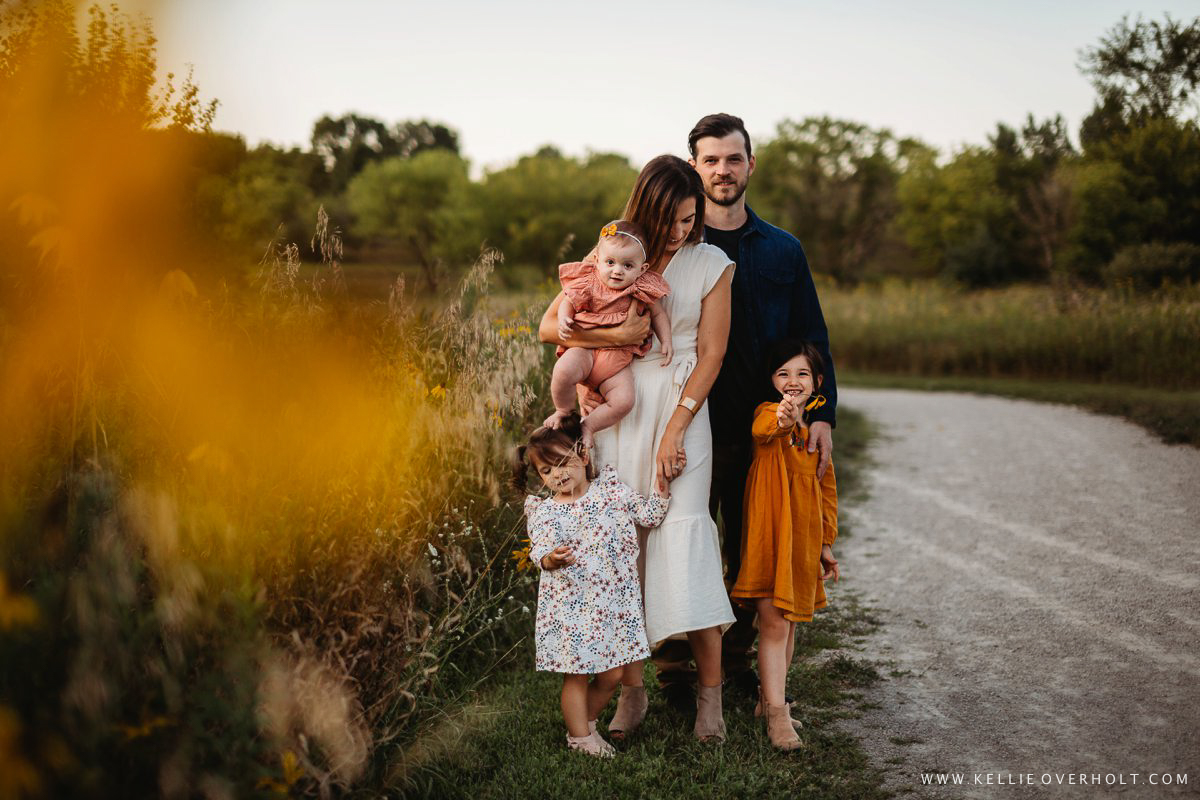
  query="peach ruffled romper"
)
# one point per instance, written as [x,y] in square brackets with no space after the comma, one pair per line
[599,306]
[788,516]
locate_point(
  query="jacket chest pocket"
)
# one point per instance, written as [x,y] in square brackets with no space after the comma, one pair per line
[775,288]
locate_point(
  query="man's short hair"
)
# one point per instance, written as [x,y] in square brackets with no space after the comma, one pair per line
[720,126]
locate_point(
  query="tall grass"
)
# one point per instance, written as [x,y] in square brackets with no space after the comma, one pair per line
[1100,336]
[260,533]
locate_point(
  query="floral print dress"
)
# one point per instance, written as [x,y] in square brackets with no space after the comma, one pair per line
[589,616]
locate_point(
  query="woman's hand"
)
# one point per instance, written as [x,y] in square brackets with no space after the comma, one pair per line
[829,564]
[634,328]
[561,556]
[671,459]
[589,400]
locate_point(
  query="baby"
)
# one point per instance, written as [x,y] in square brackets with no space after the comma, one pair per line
[597,296]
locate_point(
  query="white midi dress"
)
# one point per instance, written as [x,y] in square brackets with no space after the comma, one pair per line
[681,558]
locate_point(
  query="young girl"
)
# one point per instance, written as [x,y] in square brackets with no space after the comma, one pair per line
[597,295]
[789,526]
[589,615]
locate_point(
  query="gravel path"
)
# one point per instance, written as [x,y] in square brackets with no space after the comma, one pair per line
[1037,572]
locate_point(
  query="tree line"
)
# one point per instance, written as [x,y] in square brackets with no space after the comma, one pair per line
[1118,201]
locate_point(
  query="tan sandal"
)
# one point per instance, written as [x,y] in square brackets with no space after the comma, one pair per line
[593,744]
[758,711]
[710,721]
[631,710]
[779,728]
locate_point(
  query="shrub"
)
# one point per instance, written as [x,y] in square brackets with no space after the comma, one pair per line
[1151,266]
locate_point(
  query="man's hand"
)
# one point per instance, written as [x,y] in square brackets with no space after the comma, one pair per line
[634,328]
[820,439]
[589,400]
[561,556]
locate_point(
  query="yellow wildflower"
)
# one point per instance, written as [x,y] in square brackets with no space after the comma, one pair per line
[148,727]
[521,557]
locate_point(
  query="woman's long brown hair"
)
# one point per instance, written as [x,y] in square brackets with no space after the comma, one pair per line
[663,184]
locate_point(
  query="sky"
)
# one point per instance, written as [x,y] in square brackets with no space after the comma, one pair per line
[633,77]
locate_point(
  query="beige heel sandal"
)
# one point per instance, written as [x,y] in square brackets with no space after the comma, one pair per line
[710,720]
[593,744]
[758,711]
[779,728]
[631,710]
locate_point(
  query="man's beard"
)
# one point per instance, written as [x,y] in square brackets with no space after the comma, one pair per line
[741,190]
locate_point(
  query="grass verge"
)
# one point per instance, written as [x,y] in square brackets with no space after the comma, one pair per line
[510,742]
[1172,415]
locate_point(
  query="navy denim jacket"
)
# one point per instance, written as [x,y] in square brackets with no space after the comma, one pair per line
[773,297]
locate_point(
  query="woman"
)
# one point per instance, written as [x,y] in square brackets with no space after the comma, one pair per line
[666,437]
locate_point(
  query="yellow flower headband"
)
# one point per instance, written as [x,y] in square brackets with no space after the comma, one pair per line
[611,230]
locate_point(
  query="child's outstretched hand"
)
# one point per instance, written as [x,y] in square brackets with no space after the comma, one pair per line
[786,415]
[561,556]
[829,564]
[668,352]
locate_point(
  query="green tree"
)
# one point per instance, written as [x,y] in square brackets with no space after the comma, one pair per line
[1145,187]
[110,71]
[548,207]
[423,202]
[349,142]
[1146,70]
[1030,171]
[266,189]
[76,104]
[833,184]
[996,214]
[956,220]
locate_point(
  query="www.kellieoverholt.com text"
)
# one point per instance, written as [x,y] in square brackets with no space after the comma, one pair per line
[1054,779]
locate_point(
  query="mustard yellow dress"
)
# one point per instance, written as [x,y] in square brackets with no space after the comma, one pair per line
[788,516]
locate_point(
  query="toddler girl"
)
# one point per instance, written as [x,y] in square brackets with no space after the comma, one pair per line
[790,522]
[597,294]
[589,614]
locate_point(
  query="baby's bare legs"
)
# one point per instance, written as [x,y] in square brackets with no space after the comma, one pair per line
[618,401]
[571,368]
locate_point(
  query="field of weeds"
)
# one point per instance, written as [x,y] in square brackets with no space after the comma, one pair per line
[251,540]
[1115,337]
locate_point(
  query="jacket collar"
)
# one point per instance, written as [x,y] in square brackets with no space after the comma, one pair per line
[756,224]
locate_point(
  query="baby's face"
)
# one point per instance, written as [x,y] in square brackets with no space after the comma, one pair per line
[795,378]
[619,261]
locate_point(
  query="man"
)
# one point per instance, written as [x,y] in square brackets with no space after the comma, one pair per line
[773,297]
